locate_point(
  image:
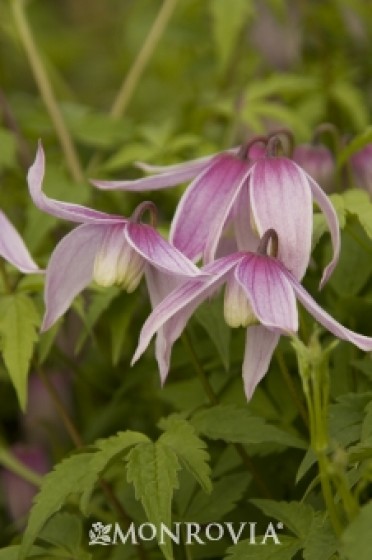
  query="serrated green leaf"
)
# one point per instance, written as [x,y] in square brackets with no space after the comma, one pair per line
[321,542]
[18,322]
[107,450]
[227,24]
[223,499]
[181,437]
[238,425]
[65,479]
[210,316]
[295,516]
[356,539]
[63,530]
[244,550]
[152,468]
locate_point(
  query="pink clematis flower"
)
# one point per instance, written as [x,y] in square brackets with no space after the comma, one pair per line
[106,248]
[13,249]
[260,294]
[361,167]
[251,193]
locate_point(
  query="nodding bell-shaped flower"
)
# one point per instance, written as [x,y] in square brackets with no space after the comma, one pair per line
[13,249]
[260,294]
[318,162]
[250,191]
[106,248]
[361,167]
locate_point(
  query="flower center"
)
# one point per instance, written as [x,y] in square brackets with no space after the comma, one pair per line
[117,262]
[237,309]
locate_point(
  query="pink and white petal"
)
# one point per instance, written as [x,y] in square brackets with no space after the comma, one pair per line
[64,210]
[361,341]
[281,199]
[269,292]
[205,205]
[183,301]
[175,175]
[259,347]
[157,251]
[13,249]
[159,286]
[70,269]
[246,239]
[197,164]
[329,212]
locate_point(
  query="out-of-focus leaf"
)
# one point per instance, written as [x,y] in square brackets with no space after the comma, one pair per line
[356,539]
[350,100]
[295,516]
[358,203]
[7,149]
[356,144]
[244,550]
[210,316]
[225,494]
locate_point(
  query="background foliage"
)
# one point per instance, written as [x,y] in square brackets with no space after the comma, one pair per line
[220,71]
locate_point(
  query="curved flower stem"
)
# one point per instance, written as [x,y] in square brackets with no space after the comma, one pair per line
[10,462]
[134,75]
[46,91]
[78,442]
[247,461]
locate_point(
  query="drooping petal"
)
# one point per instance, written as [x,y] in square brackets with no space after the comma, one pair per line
[157,251]
[197,164]
[281,199]
[329,212]
[64,210]
[13,249]
[269,292]
[159,286]
[70,269]
[361,341]
[165,177]
[259,347]
[184,300]
[205,205]
[246,238]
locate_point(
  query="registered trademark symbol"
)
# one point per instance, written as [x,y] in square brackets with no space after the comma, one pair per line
[279,525]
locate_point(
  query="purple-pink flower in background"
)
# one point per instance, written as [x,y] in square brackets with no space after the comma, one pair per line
[361,167]
[106,248]
[13,249]
[318,162]
[260,294]
[19,493]
[251,195]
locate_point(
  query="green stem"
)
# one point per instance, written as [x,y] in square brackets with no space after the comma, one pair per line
[46,91]
[5,278]
[132,78]
[11,463]
[327,493]
[291,387]
[247,461]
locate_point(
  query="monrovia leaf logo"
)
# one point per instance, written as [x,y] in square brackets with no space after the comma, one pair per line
[99,534]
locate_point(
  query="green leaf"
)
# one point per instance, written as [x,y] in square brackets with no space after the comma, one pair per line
[321,542]
[295,516]
[223,499]
[12,553]
[210,316]
[65,479]
[107,450]
[227,24]
[351,101]
[358,203]
[244,550]
[238,425]
[18,321]
[63,530]
[191,450]
[152,468]
[356,539]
